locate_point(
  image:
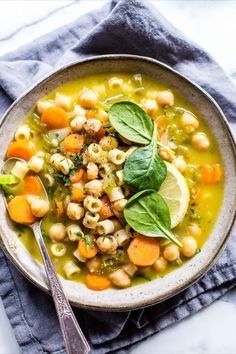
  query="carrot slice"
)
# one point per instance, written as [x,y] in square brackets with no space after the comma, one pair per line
[211,174]
[217,173]
[106,209]
[207,174]
[19,210]
[87,251]
[73,143]
[32,186]
[77,194]
[77,176]
[55,118]
[20,149]
[91,114]
[143,251]
[97,282]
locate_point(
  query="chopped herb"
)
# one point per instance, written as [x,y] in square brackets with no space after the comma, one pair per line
[65,180]
[45,236]
[20,228]
[198,250]
[193,215]
[78,161]
[112,262]
[50,191]
[87,240]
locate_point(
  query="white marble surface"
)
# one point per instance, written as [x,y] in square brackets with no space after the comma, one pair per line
[212,25]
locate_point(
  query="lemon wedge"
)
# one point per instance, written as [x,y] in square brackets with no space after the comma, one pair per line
[175,192]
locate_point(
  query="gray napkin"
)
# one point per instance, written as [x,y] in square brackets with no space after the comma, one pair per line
[125,26]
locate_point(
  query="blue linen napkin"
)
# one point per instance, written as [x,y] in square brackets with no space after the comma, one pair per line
[113,29]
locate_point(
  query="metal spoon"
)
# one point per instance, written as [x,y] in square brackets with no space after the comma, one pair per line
[74,339]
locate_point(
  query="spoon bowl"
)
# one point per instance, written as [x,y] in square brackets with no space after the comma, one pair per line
[74,339]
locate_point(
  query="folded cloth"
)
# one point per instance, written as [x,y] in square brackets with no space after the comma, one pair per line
[125,26]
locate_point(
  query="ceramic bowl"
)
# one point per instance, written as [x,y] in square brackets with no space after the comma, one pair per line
[156,290]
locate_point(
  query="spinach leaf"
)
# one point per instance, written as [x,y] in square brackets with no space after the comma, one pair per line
[144,169]
[147,213]
[131,121]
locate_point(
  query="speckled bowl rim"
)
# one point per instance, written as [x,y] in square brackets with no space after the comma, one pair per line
[132,302]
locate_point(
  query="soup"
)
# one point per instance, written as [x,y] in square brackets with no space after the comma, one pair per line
[133,175]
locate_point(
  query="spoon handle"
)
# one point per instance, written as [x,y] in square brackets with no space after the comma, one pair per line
[74,339]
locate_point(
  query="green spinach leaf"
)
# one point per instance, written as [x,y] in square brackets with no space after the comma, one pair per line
[144,169]
[131,121]
[147,213]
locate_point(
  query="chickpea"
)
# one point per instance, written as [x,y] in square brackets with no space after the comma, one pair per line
[77,123]
[120,204]
[164,155]
[160,265]
[63,101]
[194,230]
[102,116]
[189,246]
[93,264]
[201,141]
[88,98]
[74,211]
[77,111]
[115,83]
[108,143]
[165,98]
[150,106]
[180,163]
[39,207]
[171,252]
[94,187]
[107,244]
[43,105]
[189,122]
[120,278]
[57,232]
[92,126]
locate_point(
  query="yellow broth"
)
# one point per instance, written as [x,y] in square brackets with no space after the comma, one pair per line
[211,196]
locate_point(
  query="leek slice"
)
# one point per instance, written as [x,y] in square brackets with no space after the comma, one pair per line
[11,184]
